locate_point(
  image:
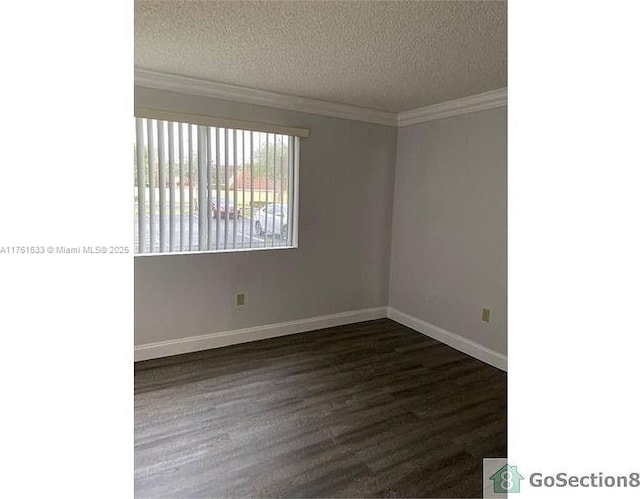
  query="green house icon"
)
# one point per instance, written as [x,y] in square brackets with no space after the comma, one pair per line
[506,479]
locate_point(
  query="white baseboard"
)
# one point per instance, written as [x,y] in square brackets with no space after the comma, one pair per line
[456,341]
[226,338]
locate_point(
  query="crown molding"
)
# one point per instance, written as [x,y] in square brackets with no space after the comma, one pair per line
[478,102]
[206,88]
[234,93]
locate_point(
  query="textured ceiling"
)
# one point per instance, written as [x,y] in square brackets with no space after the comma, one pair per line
[387,55]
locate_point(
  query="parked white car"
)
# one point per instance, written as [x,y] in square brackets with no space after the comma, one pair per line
[272,219]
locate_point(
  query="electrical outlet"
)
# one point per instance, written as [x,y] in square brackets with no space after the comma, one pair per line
[485,314]
[241,299]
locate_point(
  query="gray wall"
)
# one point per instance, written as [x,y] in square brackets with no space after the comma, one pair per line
[448,257]
[341,264]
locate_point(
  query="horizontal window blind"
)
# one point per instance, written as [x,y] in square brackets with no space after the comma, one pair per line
[211,188]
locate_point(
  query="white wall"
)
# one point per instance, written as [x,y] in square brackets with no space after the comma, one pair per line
[449,245]
[441,261]
[342,263]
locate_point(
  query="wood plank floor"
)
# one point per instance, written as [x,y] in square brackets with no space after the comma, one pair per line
[372,409]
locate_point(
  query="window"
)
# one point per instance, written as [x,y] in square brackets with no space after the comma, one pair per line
[210,188]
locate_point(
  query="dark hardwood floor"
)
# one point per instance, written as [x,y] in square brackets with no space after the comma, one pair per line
[373,409]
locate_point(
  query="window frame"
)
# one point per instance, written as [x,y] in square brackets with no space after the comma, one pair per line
[239,126]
